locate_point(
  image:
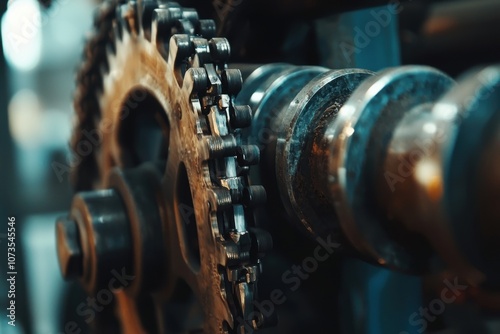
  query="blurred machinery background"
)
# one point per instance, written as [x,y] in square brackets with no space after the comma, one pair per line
[41,50]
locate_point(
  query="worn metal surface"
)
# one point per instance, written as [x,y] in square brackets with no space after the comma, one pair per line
[360,135]
[358,156]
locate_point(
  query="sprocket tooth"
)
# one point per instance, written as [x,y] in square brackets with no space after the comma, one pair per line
[146,14]
[163,20]
[111,48]
[180,49]
[112,41]
[127,19]
[135,19]
[102,14]
[103,70]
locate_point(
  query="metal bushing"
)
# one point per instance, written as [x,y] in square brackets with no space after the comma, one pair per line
[94,242]
[116,230]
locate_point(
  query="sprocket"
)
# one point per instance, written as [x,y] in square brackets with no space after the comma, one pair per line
[155,88]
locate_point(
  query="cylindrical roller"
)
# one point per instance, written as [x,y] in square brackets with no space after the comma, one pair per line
[115,231]
[470,159]
[104,237]
[409,164]
[438,177]
[270,90]
[360,138]
[301,148]
[253,89]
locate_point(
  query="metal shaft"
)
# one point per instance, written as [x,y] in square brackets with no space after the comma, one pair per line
[383,160]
